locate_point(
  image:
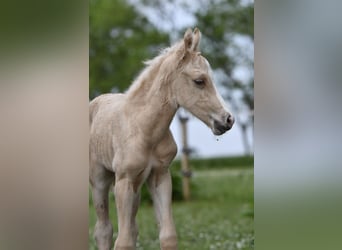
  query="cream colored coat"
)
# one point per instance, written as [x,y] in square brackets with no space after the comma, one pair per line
[130,140]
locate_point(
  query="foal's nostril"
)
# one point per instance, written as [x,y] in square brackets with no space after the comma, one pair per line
[230,120]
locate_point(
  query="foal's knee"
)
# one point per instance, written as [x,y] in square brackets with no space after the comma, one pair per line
[103,235]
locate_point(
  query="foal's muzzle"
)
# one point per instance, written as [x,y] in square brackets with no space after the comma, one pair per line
[220,127]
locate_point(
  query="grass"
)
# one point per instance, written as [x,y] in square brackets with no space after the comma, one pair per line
[219,216]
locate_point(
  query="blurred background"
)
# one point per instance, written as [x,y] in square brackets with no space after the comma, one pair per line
[212,176]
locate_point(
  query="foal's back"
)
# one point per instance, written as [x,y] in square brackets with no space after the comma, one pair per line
[104,115]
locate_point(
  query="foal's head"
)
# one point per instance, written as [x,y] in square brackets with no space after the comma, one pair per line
[195,89]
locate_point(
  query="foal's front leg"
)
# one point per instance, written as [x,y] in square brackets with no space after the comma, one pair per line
[127,198]
[160,187]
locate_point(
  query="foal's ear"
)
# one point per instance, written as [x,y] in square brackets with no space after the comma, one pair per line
[192,40]
[188,37]
[196,40]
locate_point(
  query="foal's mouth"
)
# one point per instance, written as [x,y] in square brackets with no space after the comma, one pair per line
[220,129]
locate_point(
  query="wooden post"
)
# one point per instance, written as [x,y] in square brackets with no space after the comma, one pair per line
[186,172]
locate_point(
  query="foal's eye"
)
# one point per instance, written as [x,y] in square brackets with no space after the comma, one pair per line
[199,82]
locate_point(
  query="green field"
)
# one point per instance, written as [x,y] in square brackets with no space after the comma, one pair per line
[219,216]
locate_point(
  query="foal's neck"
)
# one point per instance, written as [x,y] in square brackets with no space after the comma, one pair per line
[154,102]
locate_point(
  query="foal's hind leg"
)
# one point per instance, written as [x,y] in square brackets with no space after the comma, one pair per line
[101,180]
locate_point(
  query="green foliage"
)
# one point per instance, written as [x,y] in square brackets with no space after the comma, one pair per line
[216,163]
[218,24]
[120,39]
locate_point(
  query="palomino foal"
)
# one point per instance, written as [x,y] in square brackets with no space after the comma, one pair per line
[130,139]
